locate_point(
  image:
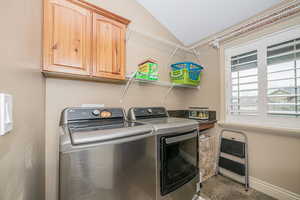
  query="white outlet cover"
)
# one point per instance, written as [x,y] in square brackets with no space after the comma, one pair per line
[6,119]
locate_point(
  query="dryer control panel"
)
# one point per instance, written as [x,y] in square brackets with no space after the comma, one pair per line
[146,112]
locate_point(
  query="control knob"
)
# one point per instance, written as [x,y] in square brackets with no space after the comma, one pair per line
[96,112]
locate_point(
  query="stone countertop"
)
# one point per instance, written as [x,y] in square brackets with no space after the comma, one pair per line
[201,122]
[206,124]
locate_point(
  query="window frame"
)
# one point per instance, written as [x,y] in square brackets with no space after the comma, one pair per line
[241,90]
[262,118]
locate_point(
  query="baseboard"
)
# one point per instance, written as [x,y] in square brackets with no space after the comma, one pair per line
[272,190]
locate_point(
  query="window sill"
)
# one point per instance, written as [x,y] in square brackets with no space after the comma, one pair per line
[261,129]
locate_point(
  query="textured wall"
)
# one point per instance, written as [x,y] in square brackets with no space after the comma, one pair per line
[22,150]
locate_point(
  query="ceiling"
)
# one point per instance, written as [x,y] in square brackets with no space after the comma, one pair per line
[193,20]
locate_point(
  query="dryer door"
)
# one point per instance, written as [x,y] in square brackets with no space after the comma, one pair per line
[179,160]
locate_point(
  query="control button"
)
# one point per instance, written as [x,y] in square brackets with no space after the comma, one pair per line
[96,112]
[105,114]
[149,111]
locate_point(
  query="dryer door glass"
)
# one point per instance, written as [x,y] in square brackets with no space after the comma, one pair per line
[179,160]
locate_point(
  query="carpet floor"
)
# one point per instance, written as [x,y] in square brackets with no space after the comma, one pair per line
[222,188]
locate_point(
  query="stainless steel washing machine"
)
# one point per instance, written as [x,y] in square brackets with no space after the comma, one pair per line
[104,157]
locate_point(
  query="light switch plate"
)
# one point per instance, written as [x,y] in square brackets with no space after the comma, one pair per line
[6,120]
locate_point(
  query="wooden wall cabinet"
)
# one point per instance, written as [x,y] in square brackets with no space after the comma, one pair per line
[82,40]
[108,48]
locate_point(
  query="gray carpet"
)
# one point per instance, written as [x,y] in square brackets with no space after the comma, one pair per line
[221,188]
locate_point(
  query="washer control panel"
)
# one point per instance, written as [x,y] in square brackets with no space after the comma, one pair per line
[74,114]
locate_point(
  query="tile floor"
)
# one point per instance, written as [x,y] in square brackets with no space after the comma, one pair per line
[222,188]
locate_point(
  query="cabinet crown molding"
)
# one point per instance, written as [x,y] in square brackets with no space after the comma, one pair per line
[101,11]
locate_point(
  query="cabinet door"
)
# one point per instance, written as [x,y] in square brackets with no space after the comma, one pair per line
[108,48]
[67,37]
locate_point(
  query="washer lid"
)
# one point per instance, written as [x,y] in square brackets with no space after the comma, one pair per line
[95,135]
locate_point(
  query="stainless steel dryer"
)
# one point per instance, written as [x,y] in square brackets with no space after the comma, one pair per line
[176,142]
[104,157]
